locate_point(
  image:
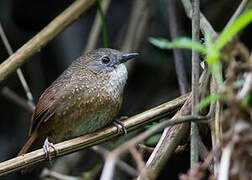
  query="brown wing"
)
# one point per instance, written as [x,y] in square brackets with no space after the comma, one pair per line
[45,108]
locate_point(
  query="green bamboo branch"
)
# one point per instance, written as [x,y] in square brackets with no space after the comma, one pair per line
[104,28]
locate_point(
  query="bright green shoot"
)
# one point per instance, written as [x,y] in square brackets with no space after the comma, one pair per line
[206,101]
[104,28]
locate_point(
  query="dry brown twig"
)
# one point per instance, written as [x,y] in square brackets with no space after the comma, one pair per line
[46,173]
[138,158]
[6,91]
[177,53]
[120,164]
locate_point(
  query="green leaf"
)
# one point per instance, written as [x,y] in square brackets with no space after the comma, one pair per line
[228,33]
[153,140]
[212,54]
[205,102]
[151,125]
[246,101]
[183,43]
[104,27]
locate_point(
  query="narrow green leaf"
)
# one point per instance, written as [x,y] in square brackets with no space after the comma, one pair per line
[246,101]
[104,28]
[160,43]
[153,140]
[213,55]
[183,43]
[228,33]
[205,102]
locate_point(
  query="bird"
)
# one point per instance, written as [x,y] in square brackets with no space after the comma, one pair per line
[86,97]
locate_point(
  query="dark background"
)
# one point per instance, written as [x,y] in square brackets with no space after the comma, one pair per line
[152,79]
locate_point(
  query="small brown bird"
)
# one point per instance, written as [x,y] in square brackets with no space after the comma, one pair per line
[84,98]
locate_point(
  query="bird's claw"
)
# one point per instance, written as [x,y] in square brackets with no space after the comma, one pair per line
[120,125]
[46,148]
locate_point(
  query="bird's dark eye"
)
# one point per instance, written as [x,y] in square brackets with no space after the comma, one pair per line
[105,60]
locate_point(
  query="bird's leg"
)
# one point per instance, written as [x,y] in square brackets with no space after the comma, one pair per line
[46,148]
[120,124]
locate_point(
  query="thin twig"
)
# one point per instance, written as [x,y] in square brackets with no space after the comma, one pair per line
[204,153]
[138,158]
[213,90]
[178,56]
[46,173]
[44,36]
[120,164]
[195,83]
[109,166]
[225,162]
[237,13]
[205,26]
[217,133]
[247,84]
[96,27]
[88,140]
[19,71]
[13,97]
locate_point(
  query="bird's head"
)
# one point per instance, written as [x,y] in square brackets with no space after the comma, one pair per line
[106,60]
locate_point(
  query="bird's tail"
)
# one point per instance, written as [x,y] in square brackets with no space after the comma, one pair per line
[28,144]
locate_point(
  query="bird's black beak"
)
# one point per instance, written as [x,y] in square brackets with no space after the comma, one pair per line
[127,56]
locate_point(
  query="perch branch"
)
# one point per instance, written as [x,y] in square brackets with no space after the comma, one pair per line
[103,135]
[44,36]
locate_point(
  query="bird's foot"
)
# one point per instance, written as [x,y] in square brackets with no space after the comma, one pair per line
[46,148]
[120,124]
